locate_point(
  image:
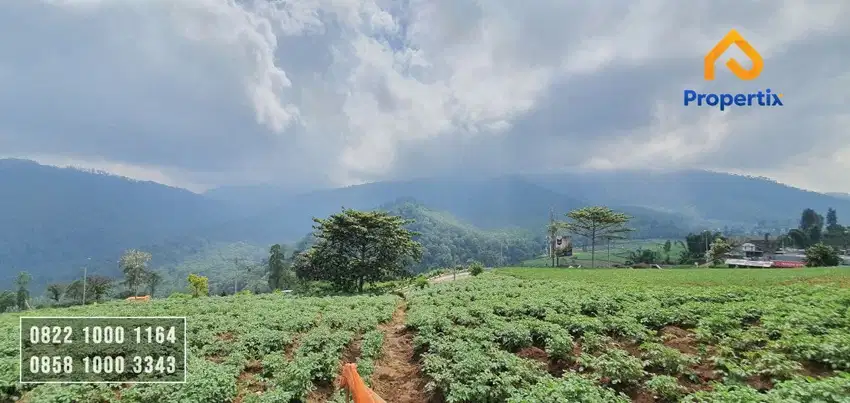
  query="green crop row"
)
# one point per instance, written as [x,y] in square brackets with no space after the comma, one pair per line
[285,345]
[497,338]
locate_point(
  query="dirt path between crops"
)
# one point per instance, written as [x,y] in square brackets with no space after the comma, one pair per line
[397,377]
[449,277]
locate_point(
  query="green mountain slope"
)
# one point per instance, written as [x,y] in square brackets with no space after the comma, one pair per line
[447,241]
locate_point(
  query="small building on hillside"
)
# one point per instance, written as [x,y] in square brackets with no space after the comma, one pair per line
[756,249]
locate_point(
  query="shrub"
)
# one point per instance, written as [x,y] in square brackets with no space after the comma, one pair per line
[420,282]
[199,284]
[570,388]
[820,255]
[476,268]
[665,388]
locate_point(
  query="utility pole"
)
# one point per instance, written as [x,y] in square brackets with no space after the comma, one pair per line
[85,278]
[236,274]
[501,256]
[552,233]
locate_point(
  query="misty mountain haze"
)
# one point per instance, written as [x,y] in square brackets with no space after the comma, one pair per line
[54,219]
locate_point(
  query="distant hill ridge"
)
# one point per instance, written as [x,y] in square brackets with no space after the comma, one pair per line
[52,220]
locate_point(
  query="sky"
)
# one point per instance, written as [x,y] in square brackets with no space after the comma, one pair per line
[202,93]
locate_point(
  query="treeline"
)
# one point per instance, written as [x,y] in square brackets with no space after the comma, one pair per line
[813,229]
[822,238]
[447,243]
[438,240]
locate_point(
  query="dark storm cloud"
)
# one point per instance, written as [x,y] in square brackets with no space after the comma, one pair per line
[336,92]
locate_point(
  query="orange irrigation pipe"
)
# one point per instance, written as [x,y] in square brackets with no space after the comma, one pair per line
[355,386]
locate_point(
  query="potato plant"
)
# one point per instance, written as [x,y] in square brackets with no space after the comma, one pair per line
[286,345]
[499,338]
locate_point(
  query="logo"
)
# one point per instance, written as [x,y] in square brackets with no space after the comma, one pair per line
[727,100]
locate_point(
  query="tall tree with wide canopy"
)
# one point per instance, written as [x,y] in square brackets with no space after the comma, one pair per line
[595,223]
[354,248]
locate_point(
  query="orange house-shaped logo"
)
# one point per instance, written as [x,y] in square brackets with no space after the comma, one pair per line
[733,37]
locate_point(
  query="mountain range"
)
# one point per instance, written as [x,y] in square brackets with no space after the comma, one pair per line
[53,221]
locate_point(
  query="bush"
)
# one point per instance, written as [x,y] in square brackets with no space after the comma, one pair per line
[665,388]
[420,282]
[820,255]
[570,388]
[179,295]
[476,268]
[200,285]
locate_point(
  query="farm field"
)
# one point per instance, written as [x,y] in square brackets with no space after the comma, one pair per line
[510,335]
[500,338]
[618,253]
[244,348]
[685,276]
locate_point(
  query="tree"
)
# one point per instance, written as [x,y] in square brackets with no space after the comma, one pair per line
[810,230]
[99,286]
[134,265]
[7,300]
[199,285]
[718,250]
[74,291]
[152,280]
[821,255]
[55,291]
[476,268]
[552,232]
[668,246]
[831,218]
[645,256]
[23,293]
[594,223]
[354,248]
[696,246]
[276,267]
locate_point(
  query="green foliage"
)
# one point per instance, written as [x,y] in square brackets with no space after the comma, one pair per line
[354,248]
[697,246]
[739,325]
[594,223]
[134,265]
[447,242]
[615,367]
[55,291]
[277,268]
[570,388]
[152,279]
[718,251]
[74,291]
[476,268]
[23,293]
[179,295]
[821,255]
[98,286]
[665,388]
[199,285]
[666,360]
[420,282]
[228,337]
[646,256]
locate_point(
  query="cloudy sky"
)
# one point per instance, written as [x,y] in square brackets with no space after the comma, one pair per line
[197,93]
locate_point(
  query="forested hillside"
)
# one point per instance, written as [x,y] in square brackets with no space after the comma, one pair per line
[54,221]
[710,196]
[447,242]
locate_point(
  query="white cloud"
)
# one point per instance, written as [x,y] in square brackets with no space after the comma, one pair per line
[205,92]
